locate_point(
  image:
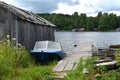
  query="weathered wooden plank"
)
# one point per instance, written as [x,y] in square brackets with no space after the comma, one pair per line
[85,71]
[73,58]
[60,66]
[70,65]
[75,66]
[103,60]
[106,63]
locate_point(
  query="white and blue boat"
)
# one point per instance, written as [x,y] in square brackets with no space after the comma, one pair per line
[47,51]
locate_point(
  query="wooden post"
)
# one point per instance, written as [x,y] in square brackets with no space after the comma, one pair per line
[16,30]
[7,26]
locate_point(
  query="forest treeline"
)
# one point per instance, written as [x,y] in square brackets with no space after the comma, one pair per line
[102,22]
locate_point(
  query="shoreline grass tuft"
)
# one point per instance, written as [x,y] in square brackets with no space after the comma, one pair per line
[16,63]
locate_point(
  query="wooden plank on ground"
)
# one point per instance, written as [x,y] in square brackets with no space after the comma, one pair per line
[70,64]
[72,59]
[60,66]
[106,63]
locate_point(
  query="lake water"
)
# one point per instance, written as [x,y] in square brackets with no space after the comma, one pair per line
[98,39]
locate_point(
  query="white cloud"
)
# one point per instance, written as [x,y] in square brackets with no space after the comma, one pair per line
[13,2]
[115,12]
[84,6]
[74,0]
[18,4]
[109,5]
[90,7]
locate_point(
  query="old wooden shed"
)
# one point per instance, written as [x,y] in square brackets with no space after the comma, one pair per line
[23,25]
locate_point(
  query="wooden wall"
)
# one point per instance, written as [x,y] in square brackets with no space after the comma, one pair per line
[26,33]
[2,23]
[29,33]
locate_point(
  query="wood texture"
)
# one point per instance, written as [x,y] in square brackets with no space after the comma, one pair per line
[72,59]
[106,63]
[23,25]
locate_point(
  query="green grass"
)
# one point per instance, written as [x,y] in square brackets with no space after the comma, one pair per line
[77,74]
[18,64]
[30,73]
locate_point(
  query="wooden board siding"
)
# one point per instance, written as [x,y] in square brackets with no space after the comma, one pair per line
[27,32]
[52,33]
[2,13]
[2,29]
[30,33]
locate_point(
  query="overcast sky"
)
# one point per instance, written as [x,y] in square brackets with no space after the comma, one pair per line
[90,7]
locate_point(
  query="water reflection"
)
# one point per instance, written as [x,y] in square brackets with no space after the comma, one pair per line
[98,39]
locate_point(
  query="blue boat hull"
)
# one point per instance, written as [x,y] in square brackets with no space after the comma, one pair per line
[45,57]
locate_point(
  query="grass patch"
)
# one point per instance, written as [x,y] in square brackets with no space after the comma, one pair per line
[93,74]
[18,64]
[77,74]
[31,73]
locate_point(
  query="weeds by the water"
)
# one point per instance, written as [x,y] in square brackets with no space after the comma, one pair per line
[117,57]
[93,74]
[17,64]
[77,74]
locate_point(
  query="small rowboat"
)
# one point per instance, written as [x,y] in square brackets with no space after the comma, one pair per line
[47,51]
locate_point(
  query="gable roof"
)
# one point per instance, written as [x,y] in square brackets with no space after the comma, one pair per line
[25,15]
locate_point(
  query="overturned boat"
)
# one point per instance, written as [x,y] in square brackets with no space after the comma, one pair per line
[46,51]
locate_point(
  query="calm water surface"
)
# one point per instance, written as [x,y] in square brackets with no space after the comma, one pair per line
[98,39]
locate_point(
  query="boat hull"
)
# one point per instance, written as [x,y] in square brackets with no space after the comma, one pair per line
[46,57]
[47,51]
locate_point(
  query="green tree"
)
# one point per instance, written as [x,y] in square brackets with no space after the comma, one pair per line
[118,22]
[83,20]
[99,15]
[112,21]
[103,24]
[103,21]
[90,23]
[75,14]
